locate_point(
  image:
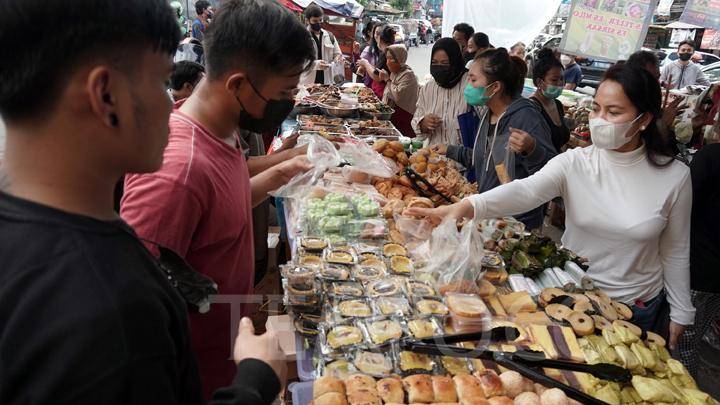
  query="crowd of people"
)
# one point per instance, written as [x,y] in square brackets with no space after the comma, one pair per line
[92,313]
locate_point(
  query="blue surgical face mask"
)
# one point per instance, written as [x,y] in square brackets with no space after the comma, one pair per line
[475,96]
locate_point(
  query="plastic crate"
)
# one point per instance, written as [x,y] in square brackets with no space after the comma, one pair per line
[301,392]
[304,360]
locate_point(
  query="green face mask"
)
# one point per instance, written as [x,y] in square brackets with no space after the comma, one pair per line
[475,96]
[552,92]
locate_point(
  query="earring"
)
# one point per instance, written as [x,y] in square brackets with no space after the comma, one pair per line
[642,128]
[114,120]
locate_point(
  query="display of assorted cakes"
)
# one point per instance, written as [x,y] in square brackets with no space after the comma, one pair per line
[368,299]
[361,299]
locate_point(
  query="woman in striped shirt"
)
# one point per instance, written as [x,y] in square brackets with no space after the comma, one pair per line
[441,100]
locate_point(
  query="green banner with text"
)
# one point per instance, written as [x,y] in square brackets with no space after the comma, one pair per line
[607,29]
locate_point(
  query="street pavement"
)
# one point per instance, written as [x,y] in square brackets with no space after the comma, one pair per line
[419,60]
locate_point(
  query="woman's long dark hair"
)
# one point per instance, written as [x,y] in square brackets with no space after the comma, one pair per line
[644,92]
[374,48]
[387,35]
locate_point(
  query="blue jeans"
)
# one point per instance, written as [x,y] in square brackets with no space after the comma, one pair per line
[654,315]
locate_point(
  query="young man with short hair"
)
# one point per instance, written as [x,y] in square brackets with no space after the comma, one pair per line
[683,72]
[327,48]
[202,21]
[462,33]
[573,74]
[89,316]
[185,77]
[199,204]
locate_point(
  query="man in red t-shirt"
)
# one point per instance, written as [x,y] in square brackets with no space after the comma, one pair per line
[199,203]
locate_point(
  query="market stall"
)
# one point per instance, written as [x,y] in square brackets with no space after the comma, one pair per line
[389,310]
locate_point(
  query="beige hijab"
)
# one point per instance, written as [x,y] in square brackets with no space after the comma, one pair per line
[403,87]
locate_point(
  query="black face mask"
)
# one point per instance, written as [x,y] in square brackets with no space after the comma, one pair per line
[684,56]
[274,114]
[469,56]
[315,27]
[442,74]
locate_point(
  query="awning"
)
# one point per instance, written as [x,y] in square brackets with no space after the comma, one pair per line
[344,8]
[292,6]
[682,26]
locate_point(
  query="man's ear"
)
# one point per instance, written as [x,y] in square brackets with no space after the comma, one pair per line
[100,94]
[187,87]
[236,82]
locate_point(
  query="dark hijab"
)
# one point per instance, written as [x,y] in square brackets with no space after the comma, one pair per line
[457,63]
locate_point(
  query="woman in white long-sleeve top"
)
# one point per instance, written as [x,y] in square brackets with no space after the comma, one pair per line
[628,203]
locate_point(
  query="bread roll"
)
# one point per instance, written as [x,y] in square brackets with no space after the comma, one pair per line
[527,398]
[444,389]
[419,388]
[554,396]
[331,398]
[359,381]
[490,382]
[500,401]
[364,396]
[513,383]
[391,390]
[323,385]
[468,387]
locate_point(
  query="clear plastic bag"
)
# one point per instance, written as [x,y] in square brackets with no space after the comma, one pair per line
[456,257]
[364,159]
[323,155]
[504,159]
[337,69]
[417,234]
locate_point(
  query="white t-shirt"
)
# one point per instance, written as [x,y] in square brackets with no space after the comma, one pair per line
[629,218]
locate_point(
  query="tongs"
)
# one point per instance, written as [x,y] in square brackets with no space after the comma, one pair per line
[415,178]
[525,362]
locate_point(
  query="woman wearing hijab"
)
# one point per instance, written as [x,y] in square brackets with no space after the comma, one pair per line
[401,91]
[441,100]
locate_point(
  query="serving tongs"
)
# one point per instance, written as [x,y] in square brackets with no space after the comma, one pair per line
[416,178]
[525,362]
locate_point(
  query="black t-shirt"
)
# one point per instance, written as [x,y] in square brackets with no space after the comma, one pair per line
[320,74]
[560,134]
[704,239]
[88,318]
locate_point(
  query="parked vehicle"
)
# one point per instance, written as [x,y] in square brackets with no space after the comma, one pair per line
[543,41]
[593,71]
[712,72]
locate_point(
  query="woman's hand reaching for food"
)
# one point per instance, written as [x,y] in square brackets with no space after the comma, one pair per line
[463,209]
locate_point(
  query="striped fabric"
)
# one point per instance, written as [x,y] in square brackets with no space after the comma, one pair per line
[446,104]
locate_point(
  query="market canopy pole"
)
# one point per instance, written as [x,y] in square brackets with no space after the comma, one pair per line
[505,21]
[603,30]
